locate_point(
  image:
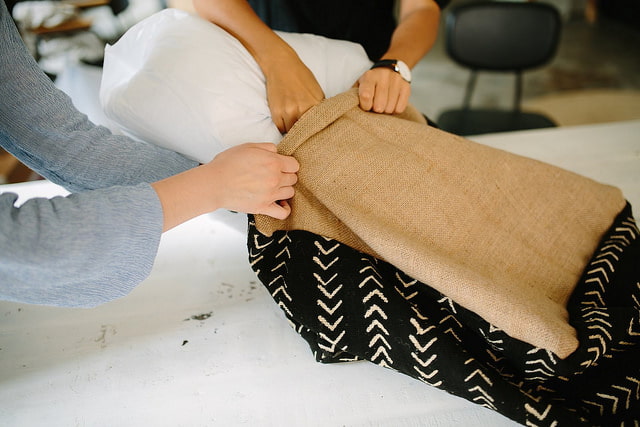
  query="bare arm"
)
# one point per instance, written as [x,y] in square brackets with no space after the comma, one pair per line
[291,87]
[383,90]
[250,178]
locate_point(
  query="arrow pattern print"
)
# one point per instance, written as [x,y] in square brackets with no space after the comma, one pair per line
[351,306]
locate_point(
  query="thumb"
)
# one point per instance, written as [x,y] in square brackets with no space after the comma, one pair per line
[278,210]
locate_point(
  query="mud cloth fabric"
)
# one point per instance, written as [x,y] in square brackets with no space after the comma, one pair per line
[504,236]
[349,306]
[455,263]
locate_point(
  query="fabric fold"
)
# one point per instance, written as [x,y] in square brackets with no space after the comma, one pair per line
[504,236]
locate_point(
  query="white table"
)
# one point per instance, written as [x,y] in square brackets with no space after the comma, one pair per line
[200,342]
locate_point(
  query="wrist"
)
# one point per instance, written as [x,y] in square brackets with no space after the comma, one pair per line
[395,65]
[185,196]
[278,57]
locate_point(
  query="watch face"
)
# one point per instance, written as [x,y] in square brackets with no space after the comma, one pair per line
[396,65]
[404,71]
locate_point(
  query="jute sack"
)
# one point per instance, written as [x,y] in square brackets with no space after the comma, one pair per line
[505,236]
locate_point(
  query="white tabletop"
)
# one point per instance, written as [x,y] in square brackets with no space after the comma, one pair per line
[200,342]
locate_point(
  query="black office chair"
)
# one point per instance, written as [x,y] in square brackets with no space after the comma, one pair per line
[499,36]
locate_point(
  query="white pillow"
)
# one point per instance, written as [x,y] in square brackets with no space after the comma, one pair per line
[181,82]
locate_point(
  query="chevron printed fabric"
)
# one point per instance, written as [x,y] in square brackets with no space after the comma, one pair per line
[352,306]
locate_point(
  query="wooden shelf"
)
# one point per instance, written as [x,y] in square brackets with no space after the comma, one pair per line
[86,4]
[76,24]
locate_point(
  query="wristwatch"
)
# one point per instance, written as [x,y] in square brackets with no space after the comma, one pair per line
[396,65]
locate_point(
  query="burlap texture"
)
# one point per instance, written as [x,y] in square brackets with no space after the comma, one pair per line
[503,235]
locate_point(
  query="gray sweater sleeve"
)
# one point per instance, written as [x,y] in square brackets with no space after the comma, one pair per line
[92,246]
[40,126]
[81,250]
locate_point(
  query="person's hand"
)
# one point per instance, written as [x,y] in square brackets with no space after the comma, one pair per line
[251,178]
[291,90]
[254,178]
[291,87]
[382,90]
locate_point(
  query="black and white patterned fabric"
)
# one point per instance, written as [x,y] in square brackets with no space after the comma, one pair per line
[351,306]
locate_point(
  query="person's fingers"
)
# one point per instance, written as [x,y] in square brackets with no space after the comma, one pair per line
[255,177]
[284,116]
[392,102]
[383,91]
[287,108]
[373,90]
[397,94]
[289,164]
[291,91]
[286,207]
[288,179]
[287,118]
[284,193]
[288,122]
[279,121]
[365,94]
[381,98]
[278,210]
[403,99]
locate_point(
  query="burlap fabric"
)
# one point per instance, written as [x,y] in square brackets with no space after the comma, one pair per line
[504,236]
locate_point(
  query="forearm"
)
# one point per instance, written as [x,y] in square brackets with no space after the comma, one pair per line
[45,132]
[40,126]
[184,197]
[291,87]
[238,18]
[416,32]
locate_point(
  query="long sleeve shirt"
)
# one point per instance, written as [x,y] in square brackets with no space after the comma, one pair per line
[98,243]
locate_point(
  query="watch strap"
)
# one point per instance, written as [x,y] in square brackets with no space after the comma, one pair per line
[394,64]
[386,63]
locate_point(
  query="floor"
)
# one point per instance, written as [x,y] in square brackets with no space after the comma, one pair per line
[594,77]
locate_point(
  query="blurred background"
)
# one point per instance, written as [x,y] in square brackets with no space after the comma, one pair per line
[593,78]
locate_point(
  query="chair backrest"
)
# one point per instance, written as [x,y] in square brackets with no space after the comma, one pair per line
[502,36]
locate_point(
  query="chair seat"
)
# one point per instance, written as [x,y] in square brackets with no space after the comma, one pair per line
[480,121]
[499,37]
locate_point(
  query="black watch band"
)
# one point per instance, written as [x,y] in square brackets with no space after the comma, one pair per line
[386,63]
[395,65]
